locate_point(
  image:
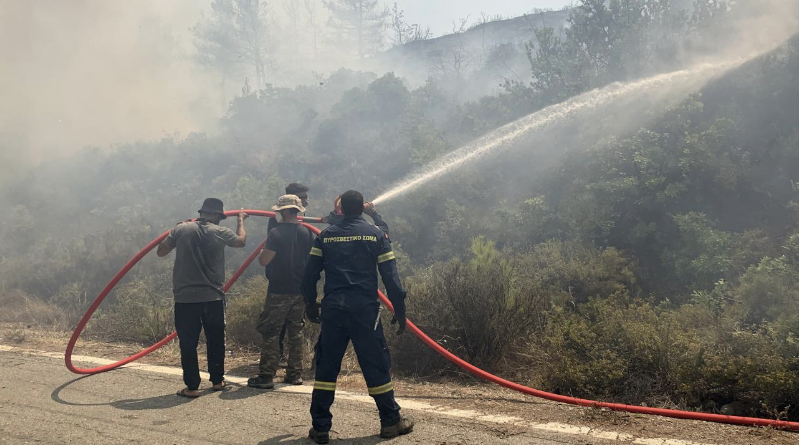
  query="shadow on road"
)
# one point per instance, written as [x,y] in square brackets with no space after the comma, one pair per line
[239,392]
[157,402]
[289,439]
[243,370]
[285,439]
[165,401]
[56,394]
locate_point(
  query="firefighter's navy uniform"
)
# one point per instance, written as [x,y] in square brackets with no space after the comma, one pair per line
[349,253]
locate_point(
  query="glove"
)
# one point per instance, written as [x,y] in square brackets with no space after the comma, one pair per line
[312,312]
[402,321]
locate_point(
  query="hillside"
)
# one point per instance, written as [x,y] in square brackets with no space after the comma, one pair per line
[494,50]
[518,30]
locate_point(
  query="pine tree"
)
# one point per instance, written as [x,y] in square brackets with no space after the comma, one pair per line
[236,34]
[363,22]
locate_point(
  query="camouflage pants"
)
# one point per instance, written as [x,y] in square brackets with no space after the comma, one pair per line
[280,309]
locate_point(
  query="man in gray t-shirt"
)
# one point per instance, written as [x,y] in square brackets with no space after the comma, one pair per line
[197,281]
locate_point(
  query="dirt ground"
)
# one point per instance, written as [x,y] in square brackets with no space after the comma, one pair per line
[463,394]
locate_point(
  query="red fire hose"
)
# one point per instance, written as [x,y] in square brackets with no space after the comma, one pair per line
[736,420]
[751,421]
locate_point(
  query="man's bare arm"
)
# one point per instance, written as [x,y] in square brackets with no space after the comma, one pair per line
[168,244]
[163,249]
[240,232]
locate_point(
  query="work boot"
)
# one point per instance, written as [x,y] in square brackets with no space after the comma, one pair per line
[319,436]
[260,382]
[404,426]
[293,380]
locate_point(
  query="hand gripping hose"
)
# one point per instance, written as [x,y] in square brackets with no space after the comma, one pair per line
[691,415]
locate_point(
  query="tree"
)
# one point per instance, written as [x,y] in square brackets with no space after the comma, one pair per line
[292,8]
[312,15]
[707,16]
[547,62]
[606,41]
[235,35]
[403,32]
[420,33]
[400,29]
[362,21]
[456,57]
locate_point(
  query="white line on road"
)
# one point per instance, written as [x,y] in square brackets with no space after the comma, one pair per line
[551,427]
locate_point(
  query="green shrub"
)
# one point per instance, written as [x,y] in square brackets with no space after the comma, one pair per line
[571,273]
[478,309]
[610,348]
[244,305]
[693,356]
[768,290]
[757,368]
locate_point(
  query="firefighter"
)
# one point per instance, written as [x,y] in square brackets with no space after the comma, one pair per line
[350,253]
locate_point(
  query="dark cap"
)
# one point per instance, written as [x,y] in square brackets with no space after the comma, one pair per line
[213,205]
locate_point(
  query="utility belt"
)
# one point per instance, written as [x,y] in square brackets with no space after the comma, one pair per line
[355,303]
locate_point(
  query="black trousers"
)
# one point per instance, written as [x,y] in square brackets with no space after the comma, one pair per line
[338,329]
[190,319]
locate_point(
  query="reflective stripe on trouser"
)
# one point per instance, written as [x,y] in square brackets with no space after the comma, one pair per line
[324,386]
[281,310]
[338,328]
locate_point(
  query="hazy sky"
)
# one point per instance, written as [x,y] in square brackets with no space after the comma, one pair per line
[438,14]
[108,71]
[76,72]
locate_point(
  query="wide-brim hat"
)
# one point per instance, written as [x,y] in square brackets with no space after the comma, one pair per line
[213,205]
[289,202]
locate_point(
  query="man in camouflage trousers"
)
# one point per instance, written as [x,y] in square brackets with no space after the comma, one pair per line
[284,258]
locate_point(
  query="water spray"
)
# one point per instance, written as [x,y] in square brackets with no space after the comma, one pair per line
[504,136]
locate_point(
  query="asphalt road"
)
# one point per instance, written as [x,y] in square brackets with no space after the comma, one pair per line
[42,402]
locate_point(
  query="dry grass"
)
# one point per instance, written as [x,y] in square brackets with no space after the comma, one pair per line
[19,307]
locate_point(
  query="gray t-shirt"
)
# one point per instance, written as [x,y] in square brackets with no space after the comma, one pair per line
[199,272]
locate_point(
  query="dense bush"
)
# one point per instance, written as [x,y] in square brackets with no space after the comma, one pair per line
[586,334]
[689,356]
[479,309]
[610,347]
